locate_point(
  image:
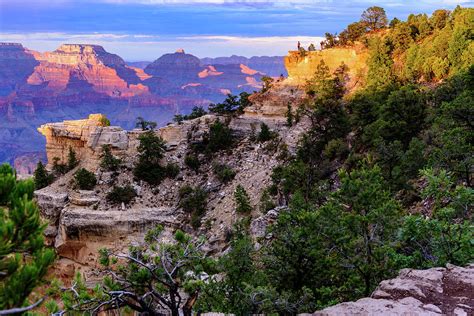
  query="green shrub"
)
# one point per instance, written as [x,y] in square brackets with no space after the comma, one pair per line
[121,194]
[218,138]
[109,162]
[192,161]
[7,183]
[223,172]
[193,201]
[104,121]
[242,200]
[336,148]
[84,179]
[266,201]
[145,125]
[172,170]
[72,161]
[265,133]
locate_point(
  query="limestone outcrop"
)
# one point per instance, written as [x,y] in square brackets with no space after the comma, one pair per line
[301,67]
[275,103]
[85,137]
[81,222]
[436,291]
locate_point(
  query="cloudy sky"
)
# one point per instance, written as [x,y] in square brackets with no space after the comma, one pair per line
[146,29]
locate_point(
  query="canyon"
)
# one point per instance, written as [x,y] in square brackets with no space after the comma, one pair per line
[80,222]
[78,79]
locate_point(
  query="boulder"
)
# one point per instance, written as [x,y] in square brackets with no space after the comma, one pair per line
[435,291]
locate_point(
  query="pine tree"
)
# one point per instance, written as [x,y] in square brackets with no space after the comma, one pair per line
[23,257]
[242,200]
[42,177]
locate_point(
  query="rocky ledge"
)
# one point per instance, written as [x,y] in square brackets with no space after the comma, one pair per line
[436,291]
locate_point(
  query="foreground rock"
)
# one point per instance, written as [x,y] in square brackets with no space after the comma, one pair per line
[436,291]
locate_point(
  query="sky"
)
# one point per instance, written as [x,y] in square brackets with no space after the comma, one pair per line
[143,30]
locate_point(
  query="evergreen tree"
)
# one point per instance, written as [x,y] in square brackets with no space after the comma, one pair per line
[242,200]
[289,116]
[150,152]
[109,162]
[42,177]
[265,133]
[24,260]
[84,179]
[380,65]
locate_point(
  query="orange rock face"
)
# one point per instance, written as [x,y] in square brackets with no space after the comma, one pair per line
[88,66]
[301,68]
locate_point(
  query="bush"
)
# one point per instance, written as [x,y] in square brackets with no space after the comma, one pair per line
[109,162]
[104,121]
[145,125]
[172,170]
[265,133]
[7,182]
[336,148]
[231,105]
[72,161]
[220,137]
[193,201]
[266,201]
[196,112]
[120,194]
[223,172]
[242,200]
[192,161]
[84,179]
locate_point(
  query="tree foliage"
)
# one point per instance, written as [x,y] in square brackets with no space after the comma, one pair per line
[24,259]
[151,278]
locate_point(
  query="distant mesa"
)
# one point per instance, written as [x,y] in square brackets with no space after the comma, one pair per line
[180,51]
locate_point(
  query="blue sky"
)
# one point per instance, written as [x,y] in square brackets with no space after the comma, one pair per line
[146,29]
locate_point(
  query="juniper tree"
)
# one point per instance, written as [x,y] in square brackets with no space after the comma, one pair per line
[149,279]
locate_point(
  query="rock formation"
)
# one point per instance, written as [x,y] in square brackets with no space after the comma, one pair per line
[81,222]
[85,137]
[301,67]
[436,291]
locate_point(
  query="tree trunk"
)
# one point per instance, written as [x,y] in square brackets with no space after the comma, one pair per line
[188,307]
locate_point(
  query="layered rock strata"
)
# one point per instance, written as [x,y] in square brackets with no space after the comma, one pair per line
[85,137]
